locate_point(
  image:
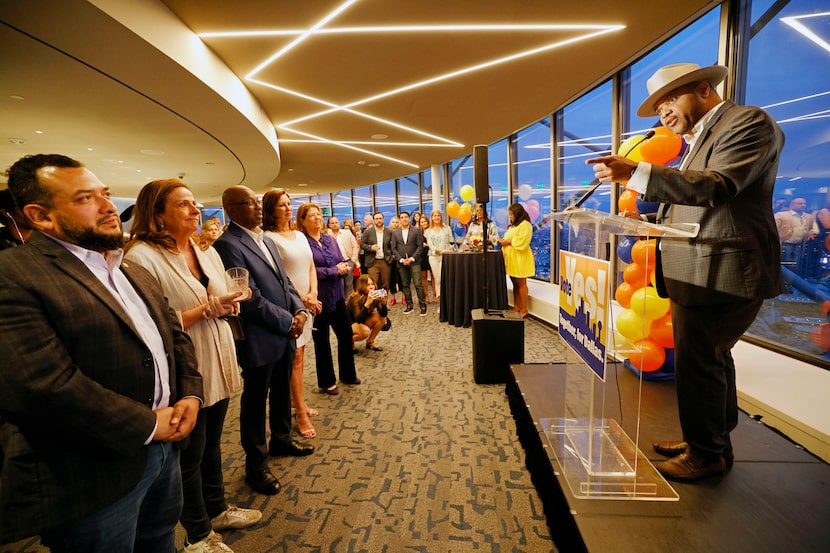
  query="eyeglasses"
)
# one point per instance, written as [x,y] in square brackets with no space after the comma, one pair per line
[249,202]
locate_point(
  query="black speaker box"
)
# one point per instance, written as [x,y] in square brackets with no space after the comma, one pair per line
[498,342]
[481,174]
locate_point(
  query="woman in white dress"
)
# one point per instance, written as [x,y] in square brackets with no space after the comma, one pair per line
[299,264]
[440,240]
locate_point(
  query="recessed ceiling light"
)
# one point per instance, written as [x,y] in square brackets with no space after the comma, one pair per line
[38,132]
[152,152]
[380,136]
[16,97]
[374,165]
[302,184]
[89,149]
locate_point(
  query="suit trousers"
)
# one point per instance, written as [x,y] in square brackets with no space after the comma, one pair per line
[380,272]
[339,320]
[705,372]
[411,274]
[143,521]
[202,480]
[260,384]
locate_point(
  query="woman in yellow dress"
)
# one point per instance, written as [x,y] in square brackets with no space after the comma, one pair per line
[518,257]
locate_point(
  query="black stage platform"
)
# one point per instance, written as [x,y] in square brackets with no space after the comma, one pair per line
[776,498]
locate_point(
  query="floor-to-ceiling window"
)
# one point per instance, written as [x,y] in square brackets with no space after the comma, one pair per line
[408,194]
[362,200]
[584,128]
[341,205]
[788,74]
[385,201]
[532,170]
[426,193]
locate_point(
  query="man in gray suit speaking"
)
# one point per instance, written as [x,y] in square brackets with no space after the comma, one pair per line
[98,379]
[717,281]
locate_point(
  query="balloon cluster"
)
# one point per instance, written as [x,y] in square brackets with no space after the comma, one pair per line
[644,328]
[660,149]
[463,212]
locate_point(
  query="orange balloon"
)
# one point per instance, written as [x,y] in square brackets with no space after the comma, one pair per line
[661,148]
[644,252]
[623,294]
[465,213]
[452,209]
[662,332]
[636,275]
[628,202]
[647,356]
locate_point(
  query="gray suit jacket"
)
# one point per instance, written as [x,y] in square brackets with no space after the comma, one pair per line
[369,238]
[727,188]
[76,386]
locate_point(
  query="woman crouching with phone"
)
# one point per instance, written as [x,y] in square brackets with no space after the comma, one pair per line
[368,310]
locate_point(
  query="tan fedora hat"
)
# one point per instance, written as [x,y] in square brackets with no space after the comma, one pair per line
[674,76]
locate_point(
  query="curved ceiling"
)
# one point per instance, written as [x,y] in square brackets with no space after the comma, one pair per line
[327,94]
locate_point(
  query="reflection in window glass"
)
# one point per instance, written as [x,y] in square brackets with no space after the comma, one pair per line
[532,170]
[362,198]
[342,205]
[324,201]
[584,132]
[461,174]
[385,199]
[408,194]
[788,75]
[426,192]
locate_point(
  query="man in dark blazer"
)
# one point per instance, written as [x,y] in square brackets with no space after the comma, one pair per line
[717,281]
[98,380]
[376,244]
[273,319]
[408,249]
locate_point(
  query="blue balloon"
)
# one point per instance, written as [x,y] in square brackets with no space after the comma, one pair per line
[668,364]
[646,208]
[624,248]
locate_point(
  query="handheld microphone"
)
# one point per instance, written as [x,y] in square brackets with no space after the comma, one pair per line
[593,189]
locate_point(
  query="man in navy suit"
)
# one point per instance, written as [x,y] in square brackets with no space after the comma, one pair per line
[273,319]
[408,249]
[718,280]
[98,379]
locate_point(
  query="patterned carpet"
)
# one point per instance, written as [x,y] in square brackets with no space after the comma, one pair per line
[417,458]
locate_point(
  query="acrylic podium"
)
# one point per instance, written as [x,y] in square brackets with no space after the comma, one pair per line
[595,456]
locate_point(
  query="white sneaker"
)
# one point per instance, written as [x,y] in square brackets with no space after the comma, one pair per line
[236,518]
[211,544]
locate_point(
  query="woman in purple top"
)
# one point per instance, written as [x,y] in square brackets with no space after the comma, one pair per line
[330,266]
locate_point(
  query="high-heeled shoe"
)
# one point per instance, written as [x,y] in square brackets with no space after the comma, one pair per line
[305,431]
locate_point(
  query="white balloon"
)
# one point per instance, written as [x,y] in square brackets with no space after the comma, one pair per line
[525,192]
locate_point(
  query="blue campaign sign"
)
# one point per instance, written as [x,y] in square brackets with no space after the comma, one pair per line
[584,297]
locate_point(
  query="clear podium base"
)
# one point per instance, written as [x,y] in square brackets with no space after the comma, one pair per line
[599,461]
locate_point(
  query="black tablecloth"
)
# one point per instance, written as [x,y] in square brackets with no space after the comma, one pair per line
[462,285]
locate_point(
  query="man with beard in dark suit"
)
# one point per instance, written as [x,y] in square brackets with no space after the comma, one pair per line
[98,379]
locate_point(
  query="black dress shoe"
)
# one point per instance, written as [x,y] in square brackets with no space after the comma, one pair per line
[292,449]
[263,481]
[673,449]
